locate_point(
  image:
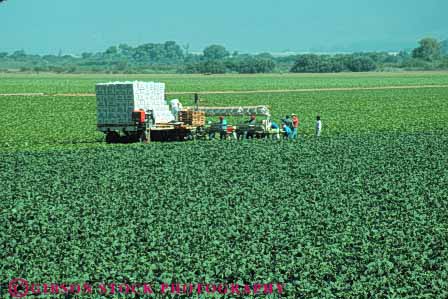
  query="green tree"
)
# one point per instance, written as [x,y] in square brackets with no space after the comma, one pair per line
[444,47]
[253,65]
[125,50]
[361,64]
[173,50]
[307,63]
[111,51]
[86,55]
[429,49]
[265,56]
[215,52]
[38,69]
[213,67]
[18,55]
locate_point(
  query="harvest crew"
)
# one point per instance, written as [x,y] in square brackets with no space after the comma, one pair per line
[222,127]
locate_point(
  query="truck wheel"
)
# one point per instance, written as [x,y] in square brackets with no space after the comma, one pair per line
[142,137]
[112,137]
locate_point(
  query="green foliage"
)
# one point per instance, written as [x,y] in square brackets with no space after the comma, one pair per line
[215,52]
[20,54]
[350,217]
[85,83]
[444,47]
[361,64]
[253,65]
[429,49]
[360,212]
[311,63]
[206,67]
[169,57]
[71,121]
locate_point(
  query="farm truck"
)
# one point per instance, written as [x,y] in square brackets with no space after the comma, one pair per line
[138,111]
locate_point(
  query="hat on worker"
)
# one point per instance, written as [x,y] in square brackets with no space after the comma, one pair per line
[293,114]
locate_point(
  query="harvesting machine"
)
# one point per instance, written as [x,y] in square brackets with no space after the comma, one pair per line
[138,111]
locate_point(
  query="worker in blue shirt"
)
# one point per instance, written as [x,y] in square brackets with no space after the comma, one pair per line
[223,132]
[275,130]
[288,131]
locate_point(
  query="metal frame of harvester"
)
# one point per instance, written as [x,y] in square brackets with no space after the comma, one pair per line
[145,129]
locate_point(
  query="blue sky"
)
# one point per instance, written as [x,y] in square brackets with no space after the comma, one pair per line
[47,26]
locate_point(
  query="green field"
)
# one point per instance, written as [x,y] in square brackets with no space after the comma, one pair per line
[57,121]
[50,83]
[361,212]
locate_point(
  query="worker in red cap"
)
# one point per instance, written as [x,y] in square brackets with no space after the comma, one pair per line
[295,126]
[252,122]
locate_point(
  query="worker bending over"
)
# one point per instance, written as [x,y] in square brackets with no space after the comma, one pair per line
[275,131]
[288,132]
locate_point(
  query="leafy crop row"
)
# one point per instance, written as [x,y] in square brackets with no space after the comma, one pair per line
[48,122]
[339,217]
[49,83]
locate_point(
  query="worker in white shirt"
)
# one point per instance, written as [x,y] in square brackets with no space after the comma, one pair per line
[318,126]
[176,107]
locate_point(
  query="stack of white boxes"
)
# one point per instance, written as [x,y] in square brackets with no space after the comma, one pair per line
[117,100]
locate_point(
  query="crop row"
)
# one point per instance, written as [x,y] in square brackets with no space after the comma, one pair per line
[341,217]
[34,122]
[86,83]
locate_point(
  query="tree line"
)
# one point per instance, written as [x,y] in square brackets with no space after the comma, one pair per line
[170,57]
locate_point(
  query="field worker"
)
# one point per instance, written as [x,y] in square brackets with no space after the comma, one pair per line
[223,123]
[275,130]
[295,126]
[231,132]
[176,107]
[252,121]
[288,131]
[287,121]
[318,126]
[211,134]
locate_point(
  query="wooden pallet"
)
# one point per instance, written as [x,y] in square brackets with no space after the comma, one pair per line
[194,118]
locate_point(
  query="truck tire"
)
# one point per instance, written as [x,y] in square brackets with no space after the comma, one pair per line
[112,137]
[142,137]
